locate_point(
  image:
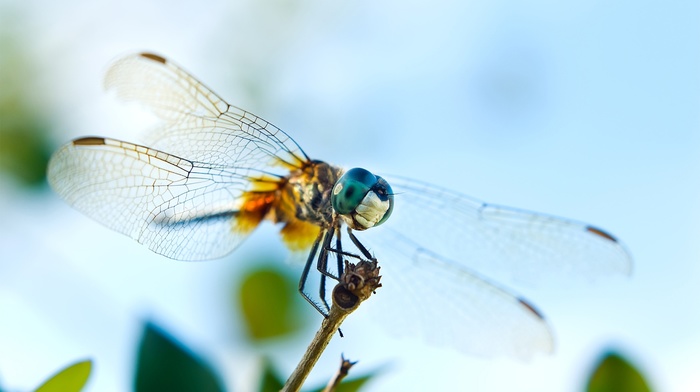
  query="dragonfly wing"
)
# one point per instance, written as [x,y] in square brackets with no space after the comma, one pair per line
[178,208]
[500,242]
[440,251]
[198,124]
[448,305]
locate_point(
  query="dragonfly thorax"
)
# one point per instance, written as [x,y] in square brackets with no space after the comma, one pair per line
[362,199]
[308,193]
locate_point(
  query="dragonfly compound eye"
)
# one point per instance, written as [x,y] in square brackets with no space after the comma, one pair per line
[350,189]
[362,199]
[384,192]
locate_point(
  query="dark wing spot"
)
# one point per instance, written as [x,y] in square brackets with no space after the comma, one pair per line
[154,57]
[89,141]
[531,308]
[601,233]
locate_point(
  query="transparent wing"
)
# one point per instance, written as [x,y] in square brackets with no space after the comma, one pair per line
[197,123]
[451,306]
[179,208]
[440,251]
[503,243]
[183,203]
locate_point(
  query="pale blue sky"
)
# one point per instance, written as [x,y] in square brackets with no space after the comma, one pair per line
[585,109]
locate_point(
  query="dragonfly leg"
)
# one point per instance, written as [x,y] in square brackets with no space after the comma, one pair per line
[305,276]
[339,252]
[359,245]
[322,265]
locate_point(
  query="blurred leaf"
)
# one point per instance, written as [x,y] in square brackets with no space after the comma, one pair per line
[271,381]
[349,385]
[354,384]
[613,374]
[268,304]
[23,150]
[24,144]
[166,365]
[70,379]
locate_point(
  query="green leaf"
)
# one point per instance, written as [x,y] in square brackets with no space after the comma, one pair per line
[24,129]
[353,384]
[614,373]
[269,304]
[348,385]
[70,379]
[164,364]
[271,381]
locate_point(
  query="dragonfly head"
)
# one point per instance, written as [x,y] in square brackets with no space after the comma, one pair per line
[362,199]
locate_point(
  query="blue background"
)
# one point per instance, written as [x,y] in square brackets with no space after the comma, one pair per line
[583,109]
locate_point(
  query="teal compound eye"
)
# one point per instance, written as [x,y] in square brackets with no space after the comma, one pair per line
[351,189]
[363,199]
[384,191]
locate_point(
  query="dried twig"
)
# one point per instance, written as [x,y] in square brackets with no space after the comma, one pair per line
[356,284]
[342,372]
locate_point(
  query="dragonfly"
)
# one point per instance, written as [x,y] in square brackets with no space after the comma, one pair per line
[211,172]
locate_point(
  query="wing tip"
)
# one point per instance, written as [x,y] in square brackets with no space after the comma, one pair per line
[153,57]
[543,341]
[627,266]
[530,307]
[601,233]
